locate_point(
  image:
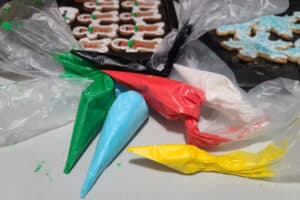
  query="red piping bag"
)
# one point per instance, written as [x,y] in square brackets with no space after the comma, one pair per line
[173,100]
[170,98]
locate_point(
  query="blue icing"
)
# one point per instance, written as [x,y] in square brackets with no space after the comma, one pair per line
[280,25]
[294,52]
[237,28]
[259,44]
[125,117]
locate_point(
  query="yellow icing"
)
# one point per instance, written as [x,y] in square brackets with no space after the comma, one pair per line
[190,159]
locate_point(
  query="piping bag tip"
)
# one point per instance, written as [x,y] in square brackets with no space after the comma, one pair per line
[87,186]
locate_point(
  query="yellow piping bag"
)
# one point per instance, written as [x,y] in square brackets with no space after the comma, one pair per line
[189,159]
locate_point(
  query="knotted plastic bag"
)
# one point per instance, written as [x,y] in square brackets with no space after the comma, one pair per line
[198,17]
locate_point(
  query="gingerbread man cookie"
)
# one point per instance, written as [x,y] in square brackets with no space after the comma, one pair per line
[69,14]
[139,16]
[96,31]
[135,45]
[147,30]
[102,6]
[98,17]
[236,29]
[250,48]
[100,46]
[283,26]
[294,53]
[140,4]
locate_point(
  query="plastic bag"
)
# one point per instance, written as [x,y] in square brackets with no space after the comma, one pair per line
[36,106]
[31,33]
[198,17]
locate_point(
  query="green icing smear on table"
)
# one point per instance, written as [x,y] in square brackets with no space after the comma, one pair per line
[39,167]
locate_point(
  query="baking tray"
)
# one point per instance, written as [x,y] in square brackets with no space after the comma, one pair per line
[250,74]
[169,17]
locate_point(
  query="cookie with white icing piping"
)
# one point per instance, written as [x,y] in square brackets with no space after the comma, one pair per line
[283,26]
[250,48]
[100,46]
[145,30]
[134,45]
[141,16]
[236,29]
[102,6]
[96,31]
[140,4]
[98,17]
[294,53]
[69,13]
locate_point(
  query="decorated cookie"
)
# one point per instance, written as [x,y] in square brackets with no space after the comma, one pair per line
[139,16]
[250,48]
[294,53]
[236,29]
[100,46]
[96,31]
[98,17]
[283,26]
[69,13]
[297,15]
[147,30]
[140,4]
[102,6]
[134,45]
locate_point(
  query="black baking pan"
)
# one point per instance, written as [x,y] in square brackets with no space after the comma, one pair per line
[169,17]
[250,74]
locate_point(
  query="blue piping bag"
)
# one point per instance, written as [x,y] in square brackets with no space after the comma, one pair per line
[125,117]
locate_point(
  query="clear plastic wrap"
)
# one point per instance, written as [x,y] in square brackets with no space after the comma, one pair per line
[32,32]
[35,106]
[198,17]
[35,100]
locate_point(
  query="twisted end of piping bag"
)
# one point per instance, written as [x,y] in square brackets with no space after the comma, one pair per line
[93,106]
[189,159]
[125,117]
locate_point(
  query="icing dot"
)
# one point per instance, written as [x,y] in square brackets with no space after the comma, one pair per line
[135,28]
[90,29]
[133,14]
[7,26]
[135,3]
[130,43]
[93,16]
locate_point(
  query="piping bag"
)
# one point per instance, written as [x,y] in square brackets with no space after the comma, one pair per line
[114,62]
[126,116]
[173,100]
[93,106]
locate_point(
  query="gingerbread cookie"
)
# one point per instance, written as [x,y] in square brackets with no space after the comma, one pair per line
[236,29]
[283,26]
[147,30]
[294,53]
[102,6]
[139,16]
[250,48]
[100,46]
[140,4]
[69,14]
[98,17]
[96,31]
[134,45]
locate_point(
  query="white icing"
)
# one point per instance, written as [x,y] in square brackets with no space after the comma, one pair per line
[127,49]
[69,13]
[110,5]
[96,34]
[294,53]
[158,32]
[141,4]
[127,16]
[87,18]
[102,44]
[259,44]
